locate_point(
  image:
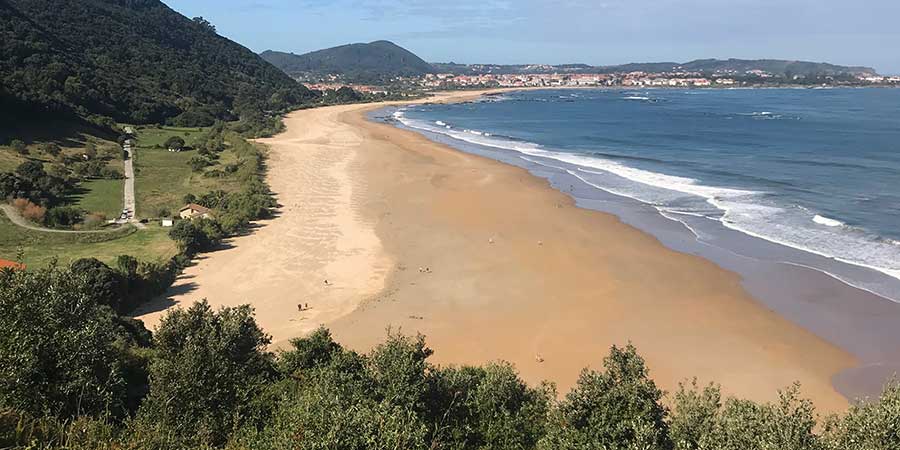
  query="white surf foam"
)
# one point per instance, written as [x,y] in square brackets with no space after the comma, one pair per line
[822,220]
[742,210]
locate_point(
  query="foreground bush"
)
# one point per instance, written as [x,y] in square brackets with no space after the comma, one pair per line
[18,430]
[130,284]
[208,368]
[74,375]
[393,398]
[617,408]
[63,354]
[868,425]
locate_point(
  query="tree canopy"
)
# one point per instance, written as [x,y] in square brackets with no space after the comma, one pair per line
[225,349]
[74,375]
[62,353]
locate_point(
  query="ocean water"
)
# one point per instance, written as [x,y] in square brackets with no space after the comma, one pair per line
[815,170]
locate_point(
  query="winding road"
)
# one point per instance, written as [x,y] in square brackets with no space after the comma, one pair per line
[18,220]
[128,203]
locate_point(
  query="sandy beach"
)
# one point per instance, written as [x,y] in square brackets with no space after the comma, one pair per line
[490,263]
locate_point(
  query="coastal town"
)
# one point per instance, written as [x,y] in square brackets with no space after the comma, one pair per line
[639,79]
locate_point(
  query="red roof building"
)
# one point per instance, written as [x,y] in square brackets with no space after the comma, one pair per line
[193,211]
[4,264]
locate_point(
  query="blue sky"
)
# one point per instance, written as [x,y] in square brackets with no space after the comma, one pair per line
[851,32]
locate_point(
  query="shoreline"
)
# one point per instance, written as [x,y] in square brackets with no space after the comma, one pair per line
[799,284]
[546,285]
[719,286]
[855,276]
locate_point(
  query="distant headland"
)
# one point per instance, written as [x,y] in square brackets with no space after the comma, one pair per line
[383,65]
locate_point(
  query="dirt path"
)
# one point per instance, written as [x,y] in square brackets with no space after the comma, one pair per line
[18,220]
[129,202]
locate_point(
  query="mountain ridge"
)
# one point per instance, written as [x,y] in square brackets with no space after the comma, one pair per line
[365,62]
[709,65]
[380,61]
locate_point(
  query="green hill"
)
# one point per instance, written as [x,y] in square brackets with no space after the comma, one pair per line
[737,66]
[134,61]
[372,62]
[773,66]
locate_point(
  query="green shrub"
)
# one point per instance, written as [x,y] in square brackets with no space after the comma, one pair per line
[486,407]
[50,148]
[208,366]
[194,236]
[198,163]
[307,353]
[695,416]
[174,143]
[871,424]
[617,409]
[63,217]
[62,353]
[20,430]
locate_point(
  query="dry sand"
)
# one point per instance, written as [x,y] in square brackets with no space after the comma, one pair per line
[516,271]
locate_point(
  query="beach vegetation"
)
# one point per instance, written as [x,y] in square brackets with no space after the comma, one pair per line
[129,284]
[870,424]
[63,354]
[226,350]
[619,407]
[195,236]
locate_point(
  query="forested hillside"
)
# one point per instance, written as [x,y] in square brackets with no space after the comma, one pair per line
[373,62]
[134,61]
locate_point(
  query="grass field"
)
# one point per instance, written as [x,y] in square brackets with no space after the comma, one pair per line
[103,196]
[155,137]
[163,178]
[39,248]
[9,159]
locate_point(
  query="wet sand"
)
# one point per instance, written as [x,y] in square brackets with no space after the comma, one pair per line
[489,262]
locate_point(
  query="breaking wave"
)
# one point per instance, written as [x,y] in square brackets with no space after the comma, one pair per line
[755,213]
